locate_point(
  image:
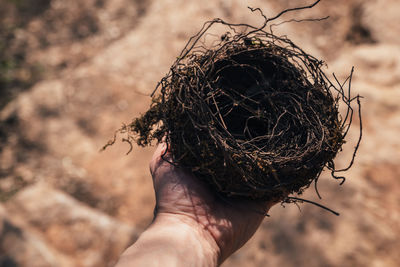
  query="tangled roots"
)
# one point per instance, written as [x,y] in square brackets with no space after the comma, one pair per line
[253,116]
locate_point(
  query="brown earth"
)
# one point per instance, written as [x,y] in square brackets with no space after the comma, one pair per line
[62,200]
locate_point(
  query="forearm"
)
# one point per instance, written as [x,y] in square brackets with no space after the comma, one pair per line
[171,241]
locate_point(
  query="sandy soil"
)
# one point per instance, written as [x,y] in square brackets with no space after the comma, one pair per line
[102,59]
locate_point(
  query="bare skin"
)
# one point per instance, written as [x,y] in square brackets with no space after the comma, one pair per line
[192,226]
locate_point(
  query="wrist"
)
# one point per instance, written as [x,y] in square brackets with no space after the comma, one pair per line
[172,240]
[189,240]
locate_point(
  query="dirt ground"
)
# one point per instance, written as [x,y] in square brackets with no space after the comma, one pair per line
[71,72]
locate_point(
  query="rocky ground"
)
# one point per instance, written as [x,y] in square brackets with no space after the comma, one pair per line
[73,72]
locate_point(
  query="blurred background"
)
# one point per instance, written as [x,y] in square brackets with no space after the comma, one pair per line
[71,72]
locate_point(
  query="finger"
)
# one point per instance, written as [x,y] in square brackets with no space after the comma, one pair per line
[157,157]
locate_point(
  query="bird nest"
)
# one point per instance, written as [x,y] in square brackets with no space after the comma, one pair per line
[252,115]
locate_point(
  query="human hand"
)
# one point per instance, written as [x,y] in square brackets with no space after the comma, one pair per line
[192,226]
[229,223]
